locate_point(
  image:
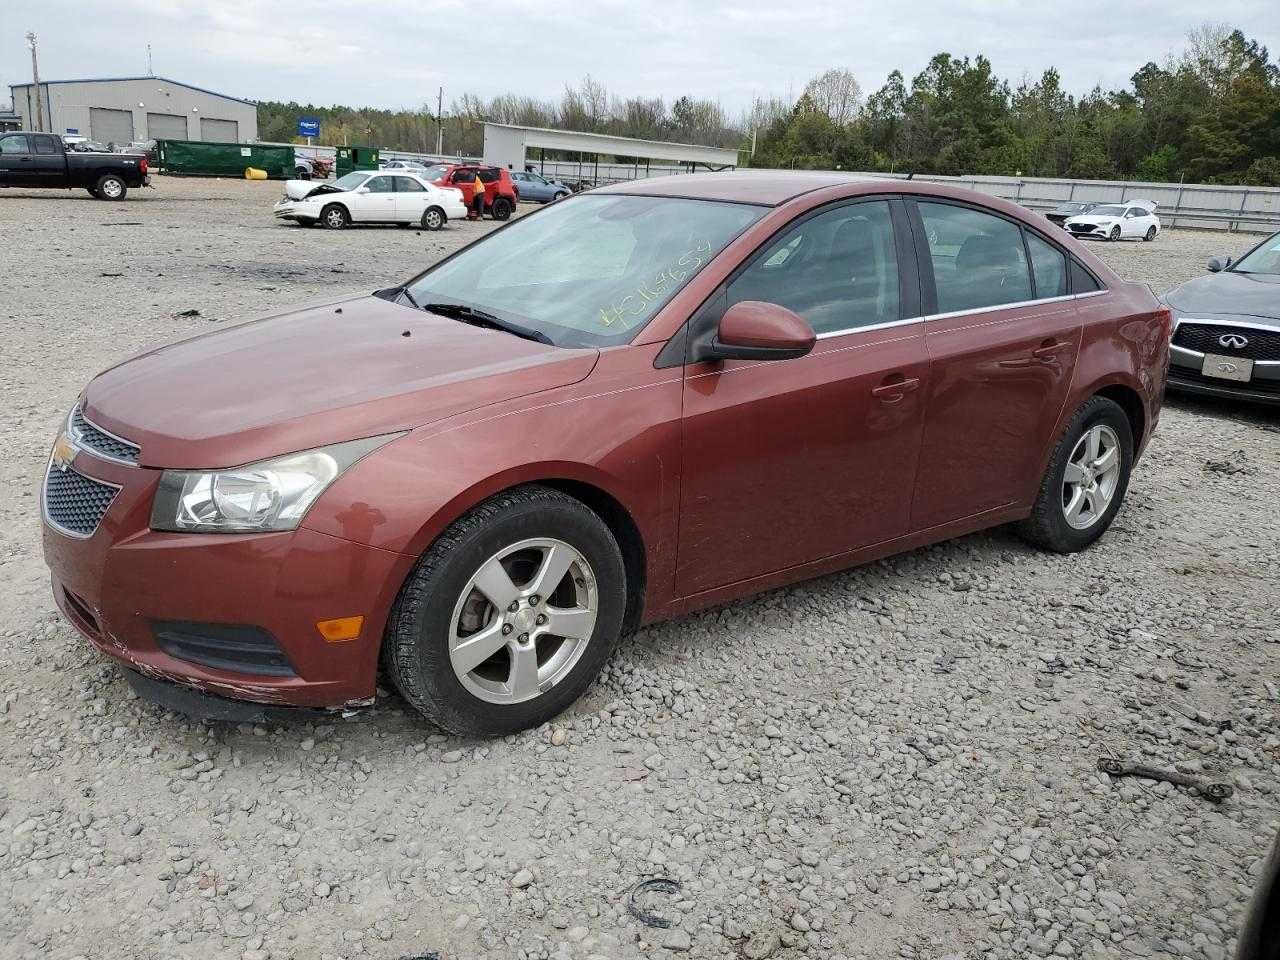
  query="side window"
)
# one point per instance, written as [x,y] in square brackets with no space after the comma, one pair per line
[14,143]
[46,145]
[408,185]
[1049,264]
[838,270]
[1082,280]
[520,177]
[978,259]
[488,174]
[380,185]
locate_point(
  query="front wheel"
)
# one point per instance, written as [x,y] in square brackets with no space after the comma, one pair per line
[510,614]
[1115,233]
[560,195]
[1085,482]
[502,208]
[110,187]
[433,218]
[335,217]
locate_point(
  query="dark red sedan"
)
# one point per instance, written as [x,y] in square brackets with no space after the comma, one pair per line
[641,401]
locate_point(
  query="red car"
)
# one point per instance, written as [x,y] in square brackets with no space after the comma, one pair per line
[500,193]
[632,404]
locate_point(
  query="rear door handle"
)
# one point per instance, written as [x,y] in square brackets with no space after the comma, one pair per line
[891,391]
[1050,351]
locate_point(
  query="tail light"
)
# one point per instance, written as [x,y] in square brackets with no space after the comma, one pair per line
[1165,316]
[142,164]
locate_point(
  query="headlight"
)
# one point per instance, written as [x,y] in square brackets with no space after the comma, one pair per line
[271,495]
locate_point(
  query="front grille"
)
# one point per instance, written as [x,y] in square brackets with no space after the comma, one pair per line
[74,502]
[1187,375]
[224,646]
[1081,227]
[99,441]
[1261,345]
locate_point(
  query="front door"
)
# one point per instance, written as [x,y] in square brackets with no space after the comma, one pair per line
[378,203]
[1002,349]
[796,460]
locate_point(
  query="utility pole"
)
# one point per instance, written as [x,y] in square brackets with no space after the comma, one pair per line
[440,123]
[150,70]
[35,80]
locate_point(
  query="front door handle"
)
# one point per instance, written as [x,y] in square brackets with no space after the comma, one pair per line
[1050,351]
[895,387]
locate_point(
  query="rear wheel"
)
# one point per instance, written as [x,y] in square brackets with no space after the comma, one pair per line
[335,217]
[433,218]
[502,208]
[1151,234]
[110,187]
[1085,482]
[510,614]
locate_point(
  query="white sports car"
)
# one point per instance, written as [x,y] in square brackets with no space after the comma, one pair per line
[370,196]
[1131,220]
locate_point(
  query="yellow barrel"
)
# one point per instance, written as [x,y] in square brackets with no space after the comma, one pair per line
[253,173]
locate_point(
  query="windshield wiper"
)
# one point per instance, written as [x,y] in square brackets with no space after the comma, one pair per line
[409,296]
[479,318]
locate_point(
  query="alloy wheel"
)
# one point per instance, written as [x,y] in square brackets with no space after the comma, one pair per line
[432,219]
[523,620]
[111,189]
[1091,477]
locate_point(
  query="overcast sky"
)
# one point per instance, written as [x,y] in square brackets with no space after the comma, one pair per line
[395,53]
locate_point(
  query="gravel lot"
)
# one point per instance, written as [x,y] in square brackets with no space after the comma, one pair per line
[895,761]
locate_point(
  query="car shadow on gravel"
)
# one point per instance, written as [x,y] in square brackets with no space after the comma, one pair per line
[1258,415]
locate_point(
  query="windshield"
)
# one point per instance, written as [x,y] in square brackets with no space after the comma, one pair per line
[591,271]
[1264,258]
[435,172]
[1107,212]
[350,181]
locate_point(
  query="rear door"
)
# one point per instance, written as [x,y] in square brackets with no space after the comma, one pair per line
[1002,338]
[411,199]
[378,203]
[791,461]
[49,164]
[17,163]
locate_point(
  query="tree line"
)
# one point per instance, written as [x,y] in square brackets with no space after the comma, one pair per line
[1208,114]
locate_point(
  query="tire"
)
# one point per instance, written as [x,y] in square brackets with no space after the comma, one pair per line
[433,218]
[502,209]
[110,187]
[1151,234]
[1115,233]
[560,195]
[1049,526]
[440,597]
[335,217]
[302,173]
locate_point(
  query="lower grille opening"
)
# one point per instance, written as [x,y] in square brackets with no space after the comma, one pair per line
[1187,375]
[79,610]
[236,647]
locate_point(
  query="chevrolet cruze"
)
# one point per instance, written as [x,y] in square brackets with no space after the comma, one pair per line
[642,401]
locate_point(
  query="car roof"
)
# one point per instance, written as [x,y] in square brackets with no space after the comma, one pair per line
[767,187]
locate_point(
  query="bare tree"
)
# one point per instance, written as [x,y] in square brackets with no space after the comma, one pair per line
[837,94]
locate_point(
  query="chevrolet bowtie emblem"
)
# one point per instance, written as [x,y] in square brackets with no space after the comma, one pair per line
[64,451]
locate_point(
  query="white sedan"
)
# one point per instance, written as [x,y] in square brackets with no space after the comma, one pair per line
[370,196]
[1131,220]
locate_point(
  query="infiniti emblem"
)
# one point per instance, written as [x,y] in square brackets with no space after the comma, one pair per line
[1234,340]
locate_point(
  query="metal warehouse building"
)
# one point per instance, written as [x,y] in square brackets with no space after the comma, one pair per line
[124,109]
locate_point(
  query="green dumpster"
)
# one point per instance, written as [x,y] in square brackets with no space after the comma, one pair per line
[199,158]
[355,158]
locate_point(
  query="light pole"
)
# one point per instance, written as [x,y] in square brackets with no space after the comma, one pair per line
[440,123]
[35,80]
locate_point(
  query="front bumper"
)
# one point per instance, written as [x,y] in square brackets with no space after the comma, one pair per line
[120,586]
[1185,375]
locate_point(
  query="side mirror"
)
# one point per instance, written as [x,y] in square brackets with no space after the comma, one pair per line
[755,330]
[1218,264]
[362,189]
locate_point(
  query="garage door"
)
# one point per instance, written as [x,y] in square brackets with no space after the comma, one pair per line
[167,126]
[219,131]
[111,126]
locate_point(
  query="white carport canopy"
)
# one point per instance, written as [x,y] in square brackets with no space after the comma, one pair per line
[505,144]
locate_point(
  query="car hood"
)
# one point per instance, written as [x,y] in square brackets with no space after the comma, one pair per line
[1228,294]
[319,375]
[301,189]
[1093,221]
